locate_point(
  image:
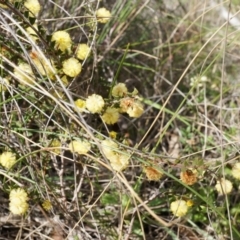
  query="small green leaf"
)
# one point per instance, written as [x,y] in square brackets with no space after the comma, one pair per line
[109,199]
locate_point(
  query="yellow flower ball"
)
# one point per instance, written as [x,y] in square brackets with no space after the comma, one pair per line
[224,186]
[83,51]
[18,201]
[132,107]
[47,205]
[33,6]
[119,90]
[62,41]
[109,147]
[18,209]
[136,110]
[153,174]
[80,147]
[7,159]
[189,177]
[179,208]
[111,115]
[119,162]
[236,171]
[23,73]
[190,203]
[3,84]
[18,195]
[80,105]
[126,103]
[103,15]
[57,145]
[72,67]
[95,103]
[113,134]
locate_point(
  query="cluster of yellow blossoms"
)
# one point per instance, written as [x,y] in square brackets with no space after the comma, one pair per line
[123,103]
[180,208]
[71,66]
[18,197]
[25,73]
